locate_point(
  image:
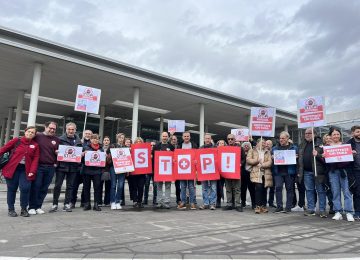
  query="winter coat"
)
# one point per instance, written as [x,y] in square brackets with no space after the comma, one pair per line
[252,159]
[72,167]
[29,149]
[91,170]
[320,161]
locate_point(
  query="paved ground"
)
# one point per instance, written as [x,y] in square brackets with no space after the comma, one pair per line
[168,234]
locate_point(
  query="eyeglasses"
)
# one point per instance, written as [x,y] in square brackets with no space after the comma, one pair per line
[52,128]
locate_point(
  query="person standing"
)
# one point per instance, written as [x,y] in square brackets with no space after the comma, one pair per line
[246,183]
[105,177]
[339,182]
[163,198]
[68,170]
[92,174]
[138,182]
[355,170]
[187,184]
[313,184]
[233,187]
[148,179]
[21,169]
[48,145]
[271,196]
[284,174]
[220,183]
[79,177]
[208,187]
[260,161]
[174,142]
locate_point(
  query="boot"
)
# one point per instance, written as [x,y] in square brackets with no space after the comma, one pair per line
[96,207]
[257,210]
[263,209]
[12,213]
[87,206]
[24,213]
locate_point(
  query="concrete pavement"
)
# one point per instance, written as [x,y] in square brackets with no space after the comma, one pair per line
[149,233]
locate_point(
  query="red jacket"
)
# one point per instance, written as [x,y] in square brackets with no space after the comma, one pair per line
[29,149]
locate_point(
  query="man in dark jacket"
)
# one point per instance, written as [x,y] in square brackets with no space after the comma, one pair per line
[163,197]
[233,187]
[66,169]
[354,170]
[187,184]
[79,177]
[306,172]
[284,174]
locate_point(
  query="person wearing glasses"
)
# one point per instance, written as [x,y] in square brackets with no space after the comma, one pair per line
[314,185]
[233,187]
[48,144]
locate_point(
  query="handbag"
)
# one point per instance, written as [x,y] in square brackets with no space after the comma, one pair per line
[5,158]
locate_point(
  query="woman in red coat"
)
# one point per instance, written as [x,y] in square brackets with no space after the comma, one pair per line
[21,169]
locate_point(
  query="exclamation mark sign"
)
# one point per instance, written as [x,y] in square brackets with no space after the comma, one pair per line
[227,162]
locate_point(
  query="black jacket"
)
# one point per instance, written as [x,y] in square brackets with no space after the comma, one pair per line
[320,162]
[91,170]
[69,166]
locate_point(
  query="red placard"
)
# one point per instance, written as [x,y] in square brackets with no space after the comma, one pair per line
[229,162]
[141,156]
[206,164]
[163,166]
[338,153]
[184,164]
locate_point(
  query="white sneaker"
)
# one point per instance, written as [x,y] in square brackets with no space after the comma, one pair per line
[32,212]
[118,206]
[297,209]
[40,211]
[113,206]
[350,217]
[337,216]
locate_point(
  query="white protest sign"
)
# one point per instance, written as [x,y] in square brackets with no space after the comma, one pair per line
[262,121]
[69,153]
[176,126]
[87,99]
[311,112]
[122,161]
[241,134]
[207,162]
[228,161]
[95,158]
[338,153]
[284,157]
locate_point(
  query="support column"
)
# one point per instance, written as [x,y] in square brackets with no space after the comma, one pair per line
[201,124]
[9,123]
[101,123]
[161,126]
[135,113]
[34,98]
[2,134]
[19,108]
[286,128]
[206,129]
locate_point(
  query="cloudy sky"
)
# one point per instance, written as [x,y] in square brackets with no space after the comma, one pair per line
[273,52]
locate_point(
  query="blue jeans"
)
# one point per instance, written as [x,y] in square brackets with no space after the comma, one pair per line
[339,184]
[289,181]
[39,187]
[310,185]
[117,185]
[209,192]
[18,180]
[190,185]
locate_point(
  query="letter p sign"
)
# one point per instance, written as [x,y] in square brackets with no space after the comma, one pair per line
[207,162]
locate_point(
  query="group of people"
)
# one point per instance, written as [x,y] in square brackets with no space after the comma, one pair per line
[33,164]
